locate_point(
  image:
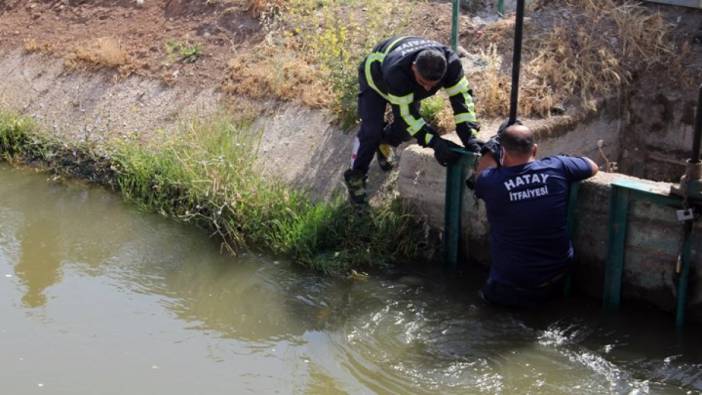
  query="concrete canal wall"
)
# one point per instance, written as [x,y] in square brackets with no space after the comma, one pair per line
[654,237]
[297,145]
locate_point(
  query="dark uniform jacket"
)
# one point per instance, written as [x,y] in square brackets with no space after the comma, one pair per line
[388,71]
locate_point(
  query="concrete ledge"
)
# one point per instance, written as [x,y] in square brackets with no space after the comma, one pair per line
[652,245]
[679,3]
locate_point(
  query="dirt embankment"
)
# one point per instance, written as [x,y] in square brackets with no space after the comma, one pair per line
[296,51]
[177,41]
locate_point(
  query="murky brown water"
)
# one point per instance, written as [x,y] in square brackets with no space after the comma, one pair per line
[98,298]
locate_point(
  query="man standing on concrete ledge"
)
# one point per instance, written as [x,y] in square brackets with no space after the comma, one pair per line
[527,206]
[402,71]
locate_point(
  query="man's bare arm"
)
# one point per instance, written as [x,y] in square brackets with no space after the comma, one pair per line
[593,166]
[486,161]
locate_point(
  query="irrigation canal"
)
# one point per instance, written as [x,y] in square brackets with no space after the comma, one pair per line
[97,297]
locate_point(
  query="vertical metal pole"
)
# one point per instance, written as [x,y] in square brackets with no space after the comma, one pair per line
[681,297]
[455,176]
[516,61]
[454,24]
[614,266]
[695,156]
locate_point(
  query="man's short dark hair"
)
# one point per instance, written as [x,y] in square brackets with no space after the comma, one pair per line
[516,140]
[431,64]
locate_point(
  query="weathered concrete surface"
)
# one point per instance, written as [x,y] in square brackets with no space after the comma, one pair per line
[299,146]
[658,138]
[654,236]
[93,106]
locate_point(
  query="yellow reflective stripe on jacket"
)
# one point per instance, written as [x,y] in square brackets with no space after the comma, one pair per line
[414,124]
[460,87]
[427,138]
[378,57]
[403,102]
[374,57]
[465,117]
[470,107]
[400,100]
[392,45]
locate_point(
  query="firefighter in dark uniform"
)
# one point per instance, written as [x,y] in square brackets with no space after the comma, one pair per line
[401,71]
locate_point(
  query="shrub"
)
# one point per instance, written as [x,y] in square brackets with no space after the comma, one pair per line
[103,52]
[185,51]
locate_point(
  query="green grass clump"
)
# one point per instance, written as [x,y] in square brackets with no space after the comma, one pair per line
[430,108]
[204,175]
[21,141]
[185,51]
[18,138]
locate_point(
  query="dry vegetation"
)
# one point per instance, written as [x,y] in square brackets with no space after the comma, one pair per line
[32,45]
[307,51]
[263,8]
[280,74]
[103,52]
[310,56]
[314,47]
[565,63]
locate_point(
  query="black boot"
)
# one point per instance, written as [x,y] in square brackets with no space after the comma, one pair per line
[385,157]
[355,181]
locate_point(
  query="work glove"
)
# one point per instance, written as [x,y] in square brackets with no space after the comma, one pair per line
[473,145]
[467,135]
[493,147]
[443,150]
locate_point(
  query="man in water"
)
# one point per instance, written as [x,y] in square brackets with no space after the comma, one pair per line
[527,206]
[401,71]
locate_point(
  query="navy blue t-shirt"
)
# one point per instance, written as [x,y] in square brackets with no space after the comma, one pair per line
[527,209]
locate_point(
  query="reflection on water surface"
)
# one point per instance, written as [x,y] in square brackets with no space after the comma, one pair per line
[96,297]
